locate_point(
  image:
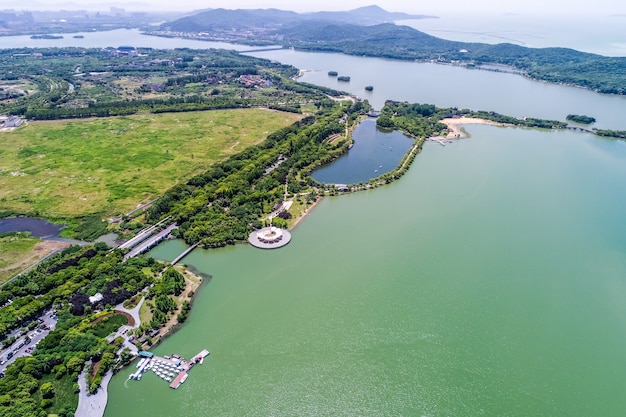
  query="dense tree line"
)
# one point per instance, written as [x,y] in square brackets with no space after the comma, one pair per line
[224,204]
[558,65]
[78,83]
[422,120]
[579,118]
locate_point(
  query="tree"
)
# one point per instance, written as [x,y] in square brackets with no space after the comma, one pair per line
[47,390]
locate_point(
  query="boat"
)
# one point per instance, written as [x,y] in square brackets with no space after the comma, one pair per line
[184,378]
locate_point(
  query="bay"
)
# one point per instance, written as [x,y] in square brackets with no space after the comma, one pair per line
[112,38]
[453,86]
[489,280]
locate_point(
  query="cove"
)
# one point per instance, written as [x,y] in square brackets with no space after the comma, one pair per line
[374,153]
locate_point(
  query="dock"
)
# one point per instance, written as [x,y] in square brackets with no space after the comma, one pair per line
[171,369]
[182,377]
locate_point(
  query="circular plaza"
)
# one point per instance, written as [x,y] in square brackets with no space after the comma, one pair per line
[269,238]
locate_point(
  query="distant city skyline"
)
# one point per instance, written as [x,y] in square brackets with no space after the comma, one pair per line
[565,7]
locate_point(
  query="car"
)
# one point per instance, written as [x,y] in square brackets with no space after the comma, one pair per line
[27,351]
[3,361]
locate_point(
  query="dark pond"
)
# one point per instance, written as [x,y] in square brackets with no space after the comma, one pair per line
[374,153]
[37,227]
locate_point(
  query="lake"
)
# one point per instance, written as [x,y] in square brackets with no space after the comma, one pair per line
[374,153]
[487,281]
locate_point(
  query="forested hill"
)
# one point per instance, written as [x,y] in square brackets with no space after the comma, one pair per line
[242,19]
[558,65]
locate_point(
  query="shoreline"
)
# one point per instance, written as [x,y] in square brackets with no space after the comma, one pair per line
[305,213]
[455,124]
[94,405]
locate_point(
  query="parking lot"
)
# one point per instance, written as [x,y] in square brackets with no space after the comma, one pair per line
[28,341]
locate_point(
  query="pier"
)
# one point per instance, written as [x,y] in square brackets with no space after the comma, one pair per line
[171,369]
[185,253]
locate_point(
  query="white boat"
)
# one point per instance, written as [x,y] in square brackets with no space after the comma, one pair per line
[184,378]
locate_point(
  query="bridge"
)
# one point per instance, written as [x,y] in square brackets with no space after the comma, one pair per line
[150,243]
[185,253]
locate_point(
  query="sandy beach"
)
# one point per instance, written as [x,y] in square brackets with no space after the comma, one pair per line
[454,125]
[305,213]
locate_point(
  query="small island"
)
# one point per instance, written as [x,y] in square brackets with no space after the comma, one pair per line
[369,88]
[343,78]
[582,119]
[332,73]
[46,37]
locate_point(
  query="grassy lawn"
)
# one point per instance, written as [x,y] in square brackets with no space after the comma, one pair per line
[145,315]
[108,166]
[17,251]
[109,324]
[64,395]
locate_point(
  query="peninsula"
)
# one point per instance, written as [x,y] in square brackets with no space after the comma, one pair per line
[378,36]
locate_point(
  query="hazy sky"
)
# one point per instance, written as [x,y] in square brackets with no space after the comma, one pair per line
[419,7]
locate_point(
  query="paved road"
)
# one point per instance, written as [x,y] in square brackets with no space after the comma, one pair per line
[122,331]
[95,404]
[35,337]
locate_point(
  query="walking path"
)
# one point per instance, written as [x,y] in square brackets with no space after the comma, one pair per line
[92,405]
[134,312]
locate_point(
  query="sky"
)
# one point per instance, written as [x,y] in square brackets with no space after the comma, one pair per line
[569,7]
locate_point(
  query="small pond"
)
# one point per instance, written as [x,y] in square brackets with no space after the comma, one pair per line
[37,227]
[374,153]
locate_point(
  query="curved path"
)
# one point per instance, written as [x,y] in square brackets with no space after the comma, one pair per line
[93,405]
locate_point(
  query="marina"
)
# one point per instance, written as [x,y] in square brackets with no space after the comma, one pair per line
[174,369]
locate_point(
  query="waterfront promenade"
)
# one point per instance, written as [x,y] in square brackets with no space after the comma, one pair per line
[92,405]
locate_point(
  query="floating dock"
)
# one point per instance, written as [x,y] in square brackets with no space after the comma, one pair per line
[174,369]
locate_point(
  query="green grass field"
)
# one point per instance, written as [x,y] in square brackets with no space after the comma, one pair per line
[17,251]
[108,166]
[109,325]
[64,395]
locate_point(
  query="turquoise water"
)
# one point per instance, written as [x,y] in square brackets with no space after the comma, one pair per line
[488,281]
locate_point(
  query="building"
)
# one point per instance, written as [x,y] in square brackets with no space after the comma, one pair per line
[95,298]
[13,121]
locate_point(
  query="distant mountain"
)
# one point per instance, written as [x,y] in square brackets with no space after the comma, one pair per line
[224,19]
[242,19]
[369,15]
[354,33]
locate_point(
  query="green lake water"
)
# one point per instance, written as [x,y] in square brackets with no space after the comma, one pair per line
[489,281]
